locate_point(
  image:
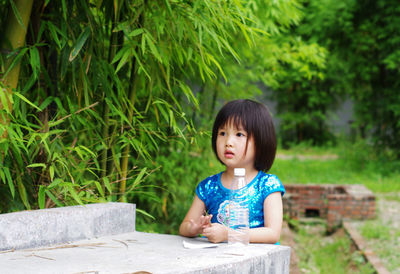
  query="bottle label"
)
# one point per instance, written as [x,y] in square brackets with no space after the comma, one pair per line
[238,232]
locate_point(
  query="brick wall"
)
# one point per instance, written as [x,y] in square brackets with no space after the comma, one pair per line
[331,202]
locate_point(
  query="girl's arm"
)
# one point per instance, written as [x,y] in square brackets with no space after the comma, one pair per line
[194,221]
[273,215]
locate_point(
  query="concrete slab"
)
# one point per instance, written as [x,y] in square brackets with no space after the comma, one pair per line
[154,253]
[30,229]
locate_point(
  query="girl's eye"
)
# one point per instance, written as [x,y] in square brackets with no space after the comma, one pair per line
[222,133]
[239,134]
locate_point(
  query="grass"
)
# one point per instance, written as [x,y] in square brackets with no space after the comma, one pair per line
[319,253]
[373,230]
[355,164]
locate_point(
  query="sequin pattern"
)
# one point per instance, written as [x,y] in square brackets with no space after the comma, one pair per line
[216,197]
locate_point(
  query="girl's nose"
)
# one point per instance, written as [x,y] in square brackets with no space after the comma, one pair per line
[228,142]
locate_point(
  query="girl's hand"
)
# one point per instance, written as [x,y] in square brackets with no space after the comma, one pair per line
[206,220]
[216,233]
[197,226]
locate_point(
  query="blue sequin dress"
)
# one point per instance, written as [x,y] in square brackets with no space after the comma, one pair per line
[216,197]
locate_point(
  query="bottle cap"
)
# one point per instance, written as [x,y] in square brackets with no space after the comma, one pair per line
[239,172]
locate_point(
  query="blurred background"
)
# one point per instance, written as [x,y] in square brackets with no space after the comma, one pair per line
[114,101]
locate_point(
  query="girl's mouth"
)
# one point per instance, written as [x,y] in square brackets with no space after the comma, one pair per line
[229,154]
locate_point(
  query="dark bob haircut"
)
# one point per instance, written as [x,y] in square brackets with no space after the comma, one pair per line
[257,121]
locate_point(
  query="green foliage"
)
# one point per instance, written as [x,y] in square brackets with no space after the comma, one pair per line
[301,103]
[170,192]
[102,90]
[363,62]
[106,96]
[46,170]
[260,57]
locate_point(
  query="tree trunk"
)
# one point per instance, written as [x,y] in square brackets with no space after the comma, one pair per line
[132,98]
[14,37]
[113,48]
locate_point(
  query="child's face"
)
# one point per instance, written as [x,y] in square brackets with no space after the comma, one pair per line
[231,147]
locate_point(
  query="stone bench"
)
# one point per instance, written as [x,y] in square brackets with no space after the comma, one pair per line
[36,228]
[101,238]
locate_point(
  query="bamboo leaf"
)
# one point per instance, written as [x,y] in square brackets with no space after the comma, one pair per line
[64,9]
[35,61]
[98,3]
[136,32]
[51,172]
[116,159]
[54,199]
[56,123]
[29,83]
[124,58]
[153,48]
[56,182]
[41,196]
[2,175]
[119,54]
[4,98]
[137,179]
[144,213]
[22,192]
[53,32]
[79,44]
[141,66]
[37,165]
[144,38]
[46,102]
[107,184]
[89,151]
[79,152]
[17,15]
[213,60]
[26,100]
[99,188]
[168,7]
[21,53]
[74,194]
[10,181]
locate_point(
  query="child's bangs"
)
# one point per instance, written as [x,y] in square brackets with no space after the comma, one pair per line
[236,121]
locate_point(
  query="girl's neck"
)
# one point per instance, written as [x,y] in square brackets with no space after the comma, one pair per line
[228,175]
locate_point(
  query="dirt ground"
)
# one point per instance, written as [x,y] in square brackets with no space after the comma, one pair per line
[389,209]
[287,238]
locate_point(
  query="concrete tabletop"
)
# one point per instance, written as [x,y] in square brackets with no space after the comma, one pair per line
[154,253]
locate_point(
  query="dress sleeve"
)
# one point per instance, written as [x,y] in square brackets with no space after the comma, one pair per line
[272,184]
[200,191]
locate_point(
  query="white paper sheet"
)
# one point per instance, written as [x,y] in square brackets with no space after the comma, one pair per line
[193,244]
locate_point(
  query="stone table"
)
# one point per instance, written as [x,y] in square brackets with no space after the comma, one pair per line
[101,238]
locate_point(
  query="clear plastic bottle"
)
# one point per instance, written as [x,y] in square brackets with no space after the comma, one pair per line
[238,233]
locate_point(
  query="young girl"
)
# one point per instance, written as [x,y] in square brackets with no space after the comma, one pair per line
[243,136]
